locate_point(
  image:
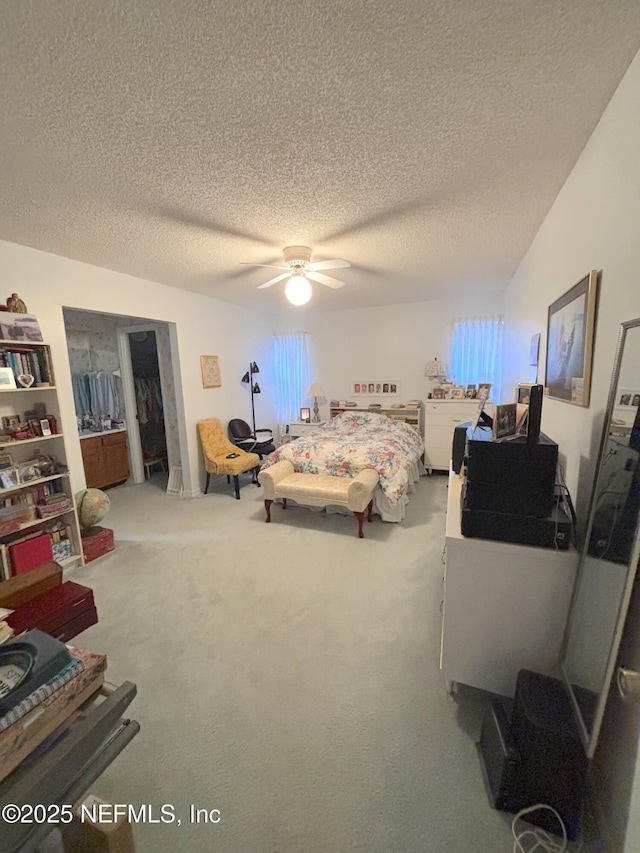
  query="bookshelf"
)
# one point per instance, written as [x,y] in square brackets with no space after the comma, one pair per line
[34,479]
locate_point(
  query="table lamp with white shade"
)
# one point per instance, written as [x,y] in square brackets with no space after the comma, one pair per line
[436,371]
[315,391]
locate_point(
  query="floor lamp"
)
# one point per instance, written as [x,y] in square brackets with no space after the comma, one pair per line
[254,388]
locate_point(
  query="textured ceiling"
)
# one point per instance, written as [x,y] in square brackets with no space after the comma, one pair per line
[422,140]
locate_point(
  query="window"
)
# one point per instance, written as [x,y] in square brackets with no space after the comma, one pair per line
[291,372]
[477,351]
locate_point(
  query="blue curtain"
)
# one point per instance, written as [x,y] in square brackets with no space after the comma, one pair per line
[477,351]
[291,370]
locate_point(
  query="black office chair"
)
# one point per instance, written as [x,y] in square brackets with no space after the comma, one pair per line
[240,434]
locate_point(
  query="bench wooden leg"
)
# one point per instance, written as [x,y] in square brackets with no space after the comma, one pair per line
[284,503]
[370,510]
[206,488]
[228,479]
[236,485]
[267,506]
[256,471]
[360,517]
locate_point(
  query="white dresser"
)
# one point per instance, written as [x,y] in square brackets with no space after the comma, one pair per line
[505,606]
[440,418]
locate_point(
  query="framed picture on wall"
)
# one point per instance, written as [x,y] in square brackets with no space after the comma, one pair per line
[210,366]
[376,387]
[570,332]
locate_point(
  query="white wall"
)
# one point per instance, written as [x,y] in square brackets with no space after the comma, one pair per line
[594,224]
[204,326]
[391,342]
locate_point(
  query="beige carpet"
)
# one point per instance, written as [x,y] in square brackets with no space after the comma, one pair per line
[288,676]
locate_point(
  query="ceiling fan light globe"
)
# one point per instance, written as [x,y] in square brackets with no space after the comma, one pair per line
[298,290]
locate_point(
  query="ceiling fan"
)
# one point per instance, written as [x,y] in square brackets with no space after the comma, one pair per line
[299,269]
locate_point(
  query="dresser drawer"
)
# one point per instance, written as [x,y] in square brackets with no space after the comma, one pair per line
[440,419]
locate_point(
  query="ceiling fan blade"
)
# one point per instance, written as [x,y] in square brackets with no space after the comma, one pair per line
[274,280]
[271,266]
[324,279]
[335,264]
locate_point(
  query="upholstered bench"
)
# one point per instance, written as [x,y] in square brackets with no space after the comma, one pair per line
[354,493]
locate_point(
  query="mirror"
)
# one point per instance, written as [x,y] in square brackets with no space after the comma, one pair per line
[611,548]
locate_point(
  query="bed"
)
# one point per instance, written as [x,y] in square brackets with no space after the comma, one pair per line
[353,441]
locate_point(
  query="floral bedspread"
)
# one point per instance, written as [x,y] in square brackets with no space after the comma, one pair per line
[353,441]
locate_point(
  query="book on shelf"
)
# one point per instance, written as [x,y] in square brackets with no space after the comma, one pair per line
[57,682]
[27,359]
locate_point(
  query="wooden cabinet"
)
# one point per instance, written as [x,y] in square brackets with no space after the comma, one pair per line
[105,458]
[505,606]
[440,418]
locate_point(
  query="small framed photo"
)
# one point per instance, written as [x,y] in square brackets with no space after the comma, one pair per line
[10,423]
[45,427]
[523,392]
[457,392]
[484,389]
[470,392]
[6,461]
[7,379]
[439,394]
[9,477]
[35,428]
[305,416]
[505,420]
[210,366]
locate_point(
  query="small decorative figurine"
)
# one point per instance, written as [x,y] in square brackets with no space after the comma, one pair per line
[15,305]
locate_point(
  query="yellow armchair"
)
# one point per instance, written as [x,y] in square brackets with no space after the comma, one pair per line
[217,448]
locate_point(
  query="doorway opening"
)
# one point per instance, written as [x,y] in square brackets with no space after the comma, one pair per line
[138,358]
[149,403]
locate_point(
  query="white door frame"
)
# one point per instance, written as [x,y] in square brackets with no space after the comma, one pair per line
[130,406]
[129,395]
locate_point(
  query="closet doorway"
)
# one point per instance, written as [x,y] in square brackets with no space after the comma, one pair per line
[149,403]
[136,352]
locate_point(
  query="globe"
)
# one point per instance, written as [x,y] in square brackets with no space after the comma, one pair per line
[93,505]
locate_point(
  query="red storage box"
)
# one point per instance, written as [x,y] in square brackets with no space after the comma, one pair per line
[96,543]
[30,553]
[62,612]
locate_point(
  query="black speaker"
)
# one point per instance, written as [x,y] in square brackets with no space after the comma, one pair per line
[498,756]
[459,447]
[536,756]
[553,763]
[534,413]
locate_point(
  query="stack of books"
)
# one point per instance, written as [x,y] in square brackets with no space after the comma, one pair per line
[45,711]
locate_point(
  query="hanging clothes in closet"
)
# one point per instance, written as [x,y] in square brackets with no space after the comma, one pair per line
[97,393]
[148,400]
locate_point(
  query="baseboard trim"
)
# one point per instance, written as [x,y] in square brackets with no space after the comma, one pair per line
[192,493]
